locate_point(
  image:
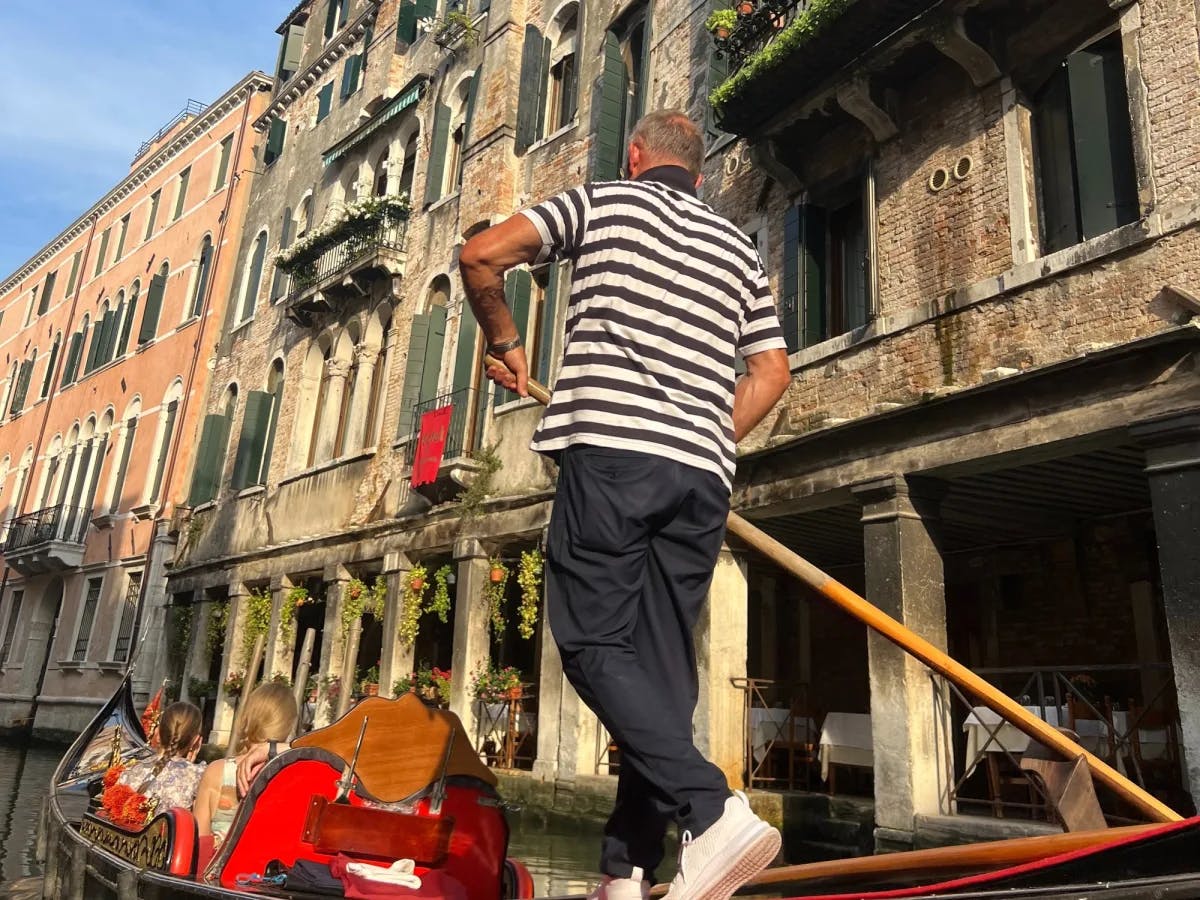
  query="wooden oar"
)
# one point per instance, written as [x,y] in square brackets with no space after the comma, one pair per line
[883,624]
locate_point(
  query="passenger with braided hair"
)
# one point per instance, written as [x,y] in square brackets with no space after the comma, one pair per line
[170,779]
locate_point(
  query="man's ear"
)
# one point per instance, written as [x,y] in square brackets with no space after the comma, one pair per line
[699,179]
[635,159]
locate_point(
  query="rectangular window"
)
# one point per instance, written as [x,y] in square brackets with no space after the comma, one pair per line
[47,292]
[123,231]
[324,101]
[181,194]
[256,425]
[10,629]
[351,76]
[1087,182]
[128,614]
[624,70]
[275,138]
[87,618]
[223,163]
[74,272]
[102,253]
[152,216]
[336,16]
[291,51]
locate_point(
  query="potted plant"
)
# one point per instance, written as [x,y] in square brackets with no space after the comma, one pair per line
[494,685]
[431,684]
[333,687]
[412,604]
[439,603]
[493,594]
[720,22]
[529,577]
[368,684]
[234,683]
[745,7]
[199,688]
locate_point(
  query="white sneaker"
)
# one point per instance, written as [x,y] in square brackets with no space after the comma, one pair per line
[737,847]
[632,888]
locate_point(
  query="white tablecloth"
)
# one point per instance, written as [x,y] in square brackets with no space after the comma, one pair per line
[493,721]
[846,741]
[770,725]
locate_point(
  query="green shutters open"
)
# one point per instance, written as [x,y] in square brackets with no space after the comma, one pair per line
[47,293]
[548,325]
[469,117]
[275,138]
[127,322]
[531,88]
[435,173]
[291,52]
[406,25]
[610,112]
[517,287]
[813,227]
[410,393]
[324,101]
[151,217]
[74,273]
[48,379]
[71,367]
[248,463]
[210,459]
[350,74]
[154,299]
[181,196]
[223,163]
[435,343]
[101,253]
[789,310]
[467,353]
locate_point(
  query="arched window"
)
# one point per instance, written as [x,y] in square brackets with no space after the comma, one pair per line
[113,341]
[381,174]
[425,344]
[379,376]
[100,442]
[319,406]
[66,472]
[203,265]
[96,347]
[563,88]
[21,480]
[410,163]
[257,439]
[459,127]
[279,281]
[162,445]
[22,374]
[85,463]
[50,472]
[116,487]
[154,303]
[349,355]
[127,319]
[253,279]
[48,378]
[304,216]
[75,353]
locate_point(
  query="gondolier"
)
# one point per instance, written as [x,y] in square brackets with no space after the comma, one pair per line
[665,296]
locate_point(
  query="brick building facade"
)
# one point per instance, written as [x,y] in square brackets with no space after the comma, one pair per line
[104,335]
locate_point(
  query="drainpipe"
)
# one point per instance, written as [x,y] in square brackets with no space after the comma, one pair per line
[59,365]
[168,474]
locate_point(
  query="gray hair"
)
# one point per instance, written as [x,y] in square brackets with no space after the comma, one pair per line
[671,134]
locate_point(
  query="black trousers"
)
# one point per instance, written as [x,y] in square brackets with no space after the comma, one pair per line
[632,545]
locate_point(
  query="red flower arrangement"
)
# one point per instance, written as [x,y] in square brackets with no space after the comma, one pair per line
[122,804]
[111,776]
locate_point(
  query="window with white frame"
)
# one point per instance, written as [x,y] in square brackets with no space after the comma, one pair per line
[128,614]
[87,618]
[10,626]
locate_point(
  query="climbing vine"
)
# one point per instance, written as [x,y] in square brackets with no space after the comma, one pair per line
[258,622]
[529,577]
[472,498]
[358,599]
[181,630]
[218,619]
[293,599]
[440,602]
[412,602]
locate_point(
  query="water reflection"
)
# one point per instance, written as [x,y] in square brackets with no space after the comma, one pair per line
[24,778]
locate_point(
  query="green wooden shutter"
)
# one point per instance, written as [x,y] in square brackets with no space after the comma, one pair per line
[223,163]
[154,299]
[324,101]
[202,278]
[1107,184]
[331,15]
[789,313]
[48,380]
[368,39]
[20,388]
[516,293]
[406,25]
[548,326]
[813,228]
[181,198]
[272,425]
[164,448]
[293,51]
[214,435]
[275,139]
[102,253]
[431,367]
[527,103]
[467,353]
[279,279]
[472,94]
[610,112]
[410,394]
[1055,165]
[47,292]
[248,462]
[153,214]
[348,77]
[123,467]
[120,251]
[71,368]
[254,282]
[93,346]
[127,324]
[437,154]
[74,273]
[426,9]
[118,329]
[108,327]
[543,86]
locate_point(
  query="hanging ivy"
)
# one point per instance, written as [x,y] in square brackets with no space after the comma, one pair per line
[439,603]
[529,577]
[218,619]
[181,629]
[412,603]
[293,599]
[257,622]
[471,500]
[358,599]
[493,595]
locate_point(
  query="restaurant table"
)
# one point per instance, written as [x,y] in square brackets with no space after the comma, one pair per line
[845,741]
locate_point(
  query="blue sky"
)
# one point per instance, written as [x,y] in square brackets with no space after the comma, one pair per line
[86,81]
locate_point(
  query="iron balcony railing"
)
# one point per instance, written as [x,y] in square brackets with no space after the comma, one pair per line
[462,437]
[386,235]
[66,524]
[190,110]
[759,22]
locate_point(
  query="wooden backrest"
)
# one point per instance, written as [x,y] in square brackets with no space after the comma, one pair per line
[1068,786]
[404,746]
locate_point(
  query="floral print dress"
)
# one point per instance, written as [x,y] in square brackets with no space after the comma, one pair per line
[174,786]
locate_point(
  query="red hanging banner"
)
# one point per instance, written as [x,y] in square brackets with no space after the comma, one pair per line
[431,443]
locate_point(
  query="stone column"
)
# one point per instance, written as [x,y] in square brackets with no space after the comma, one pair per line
[1173,465]
[231,662]
[196,663]
[721,655]
[151,644]
[471,645]
[333,644]
[551,687]
[397,658]
[768,627]
[903,578]
[308,389]
[280,648]
[336,371]
[356,426]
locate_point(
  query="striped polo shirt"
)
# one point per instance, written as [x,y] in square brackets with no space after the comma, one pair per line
[664,294]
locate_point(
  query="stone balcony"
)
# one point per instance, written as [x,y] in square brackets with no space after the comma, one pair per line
[347,268]
[49,540]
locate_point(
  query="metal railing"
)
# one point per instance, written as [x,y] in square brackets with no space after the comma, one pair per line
[756,29]
[462,436]
[1122,713]
[190,110]
[779,733]
[507,730]
[67,524]
[386,235]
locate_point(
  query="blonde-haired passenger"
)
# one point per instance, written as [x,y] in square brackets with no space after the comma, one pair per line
[269,717]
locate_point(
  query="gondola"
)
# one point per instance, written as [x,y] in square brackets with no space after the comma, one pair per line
[451,820]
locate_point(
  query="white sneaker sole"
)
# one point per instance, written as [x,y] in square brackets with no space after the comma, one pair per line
[759,852]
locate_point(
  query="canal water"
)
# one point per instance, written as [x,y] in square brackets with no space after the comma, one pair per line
[561,853]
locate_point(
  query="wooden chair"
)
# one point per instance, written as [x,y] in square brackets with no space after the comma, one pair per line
[1080,713]
[1067,785]
[1164,768]
[797,744]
